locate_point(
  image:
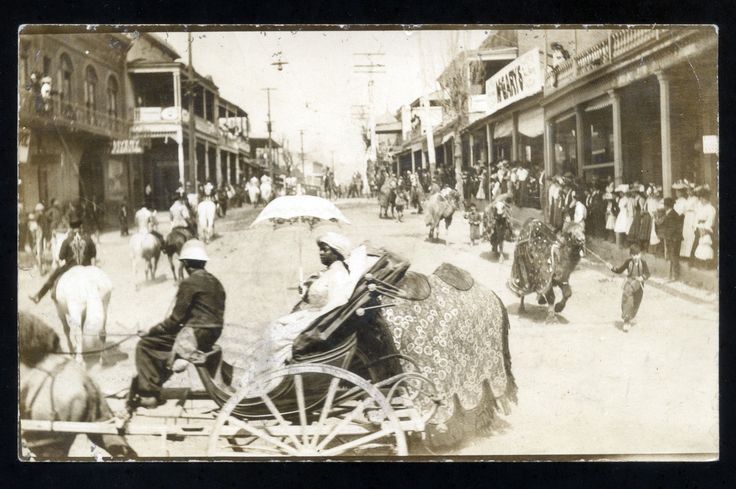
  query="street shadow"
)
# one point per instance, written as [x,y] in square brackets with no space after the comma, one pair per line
[435,241]
[494,257]
[160,278]
[534,313]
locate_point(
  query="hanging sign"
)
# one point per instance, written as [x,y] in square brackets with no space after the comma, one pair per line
[515,81]
[710,144]
[127,147]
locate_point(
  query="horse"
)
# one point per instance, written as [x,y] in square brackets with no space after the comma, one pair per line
[543,260]
[82,296]
[206,211]
[146,246]
[440,208]
[496,229]
[266,192]
[172,246]
[53,388]
[386,198]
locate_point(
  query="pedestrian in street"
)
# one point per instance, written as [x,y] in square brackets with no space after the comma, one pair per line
[123,217]
[402,198]
[148,196]
[77,249]
[195,324]
[637,273]
[669,229]
[474,219]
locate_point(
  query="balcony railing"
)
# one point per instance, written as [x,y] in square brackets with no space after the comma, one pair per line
[54,109]
[605,52]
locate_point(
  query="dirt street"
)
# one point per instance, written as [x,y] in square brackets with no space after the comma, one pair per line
[585,387]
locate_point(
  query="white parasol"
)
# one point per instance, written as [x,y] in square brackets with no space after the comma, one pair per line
[293,209]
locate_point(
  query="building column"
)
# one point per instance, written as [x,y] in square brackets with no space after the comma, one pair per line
[515,136]
[424,160]
[618,147]
[218,164]
[489,144]
[665,132]
[413,163]
[206,160]
[549,148]
[579,141]
[471,143]
[229,167]
[180,154]
[177,91]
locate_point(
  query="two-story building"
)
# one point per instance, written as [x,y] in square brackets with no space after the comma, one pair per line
[72,108]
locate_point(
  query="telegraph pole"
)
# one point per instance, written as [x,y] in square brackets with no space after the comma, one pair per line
[370,69]
[270,154]
[192,129]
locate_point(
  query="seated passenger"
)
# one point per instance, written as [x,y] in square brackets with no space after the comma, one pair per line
[321,294]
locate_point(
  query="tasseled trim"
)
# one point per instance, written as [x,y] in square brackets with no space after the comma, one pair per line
[511,388]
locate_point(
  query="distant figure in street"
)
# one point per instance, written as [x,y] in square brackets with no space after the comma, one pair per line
[669,229]
[474,219]
[401,200]
[254,191]
[123,217]
[637,273]
[148,196]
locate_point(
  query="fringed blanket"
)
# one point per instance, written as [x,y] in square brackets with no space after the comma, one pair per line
[460,341]
[533,267]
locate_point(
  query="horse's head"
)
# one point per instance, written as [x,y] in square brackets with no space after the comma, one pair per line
[36,339]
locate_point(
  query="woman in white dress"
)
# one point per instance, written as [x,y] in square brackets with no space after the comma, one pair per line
[706,218]
[331,288]
[623,219]
[689,224]
[652,206]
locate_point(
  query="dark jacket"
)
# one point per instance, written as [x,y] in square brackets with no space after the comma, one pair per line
[80,252]
[200,303]
[632,270]
[671,227]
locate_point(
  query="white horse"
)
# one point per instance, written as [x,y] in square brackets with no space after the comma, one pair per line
[253,192]
[266,191]
[147,247]
[206,211]
[82,296]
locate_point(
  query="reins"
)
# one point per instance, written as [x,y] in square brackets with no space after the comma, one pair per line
[126,337]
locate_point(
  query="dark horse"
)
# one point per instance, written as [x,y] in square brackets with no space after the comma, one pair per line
[497,228]
[55,388]
[544,260]
[173,244]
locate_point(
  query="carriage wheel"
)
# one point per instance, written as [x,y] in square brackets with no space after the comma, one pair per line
[362,421]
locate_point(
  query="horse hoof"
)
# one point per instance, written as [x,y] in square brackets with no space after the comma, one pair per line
[559,307]
[551,319]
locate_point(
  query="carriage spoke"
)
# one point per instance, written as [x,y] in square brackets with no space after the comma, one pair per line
[326,408]
[277,414]
[263,435]
[344,422]
[299,386]
[340,449]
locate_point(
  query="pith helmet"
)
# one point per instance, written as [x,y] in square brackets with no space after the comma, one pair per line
[193,250]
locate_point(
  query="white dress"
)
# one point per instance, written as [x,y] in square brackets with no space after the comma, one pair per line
[688,226]
[651,206]
[610,216]
[623,220]
[705,216]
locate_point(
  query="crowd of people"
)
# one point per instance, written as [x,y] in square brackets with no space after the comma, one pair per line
[680,228]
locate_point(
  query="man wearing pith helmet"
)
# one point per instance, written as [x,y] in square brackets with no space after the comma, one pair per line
[195,323]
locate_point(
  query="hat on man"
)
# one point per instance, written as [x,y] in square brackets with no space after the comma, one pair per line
[337,242]
[193,250]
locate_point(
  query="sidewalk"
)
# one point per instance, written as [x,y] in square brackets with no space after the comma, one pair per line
[700,285]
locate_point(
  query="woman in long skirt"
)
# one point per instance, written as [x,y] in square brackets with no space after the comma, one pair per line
[623,219]
[689,224]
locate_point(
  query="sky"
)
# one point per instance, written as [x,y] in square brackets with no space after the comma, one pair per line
[317,90]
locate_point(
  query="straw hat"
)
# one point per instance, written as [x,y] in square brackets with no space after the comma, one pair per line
[622,188]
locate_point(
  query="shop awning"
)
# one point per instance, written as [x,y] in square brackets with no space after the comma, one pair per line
[598,104]
[502,129]
[531,123]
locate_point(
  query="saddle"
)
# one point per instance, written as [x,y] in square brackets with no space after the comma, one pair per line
[455,277]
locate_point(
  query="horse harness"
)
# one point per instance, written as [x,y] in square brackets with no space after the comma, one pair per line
[27,407]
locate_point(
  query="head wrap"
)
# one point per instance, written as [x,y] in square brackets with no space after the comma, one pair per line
[337,242]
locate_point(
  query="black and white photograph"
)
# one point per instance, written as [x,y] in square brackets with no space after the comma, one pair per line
[348,242]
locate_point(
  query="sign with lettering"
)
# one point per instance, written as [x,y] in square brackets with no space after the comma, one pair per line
[127,147]
[517,80]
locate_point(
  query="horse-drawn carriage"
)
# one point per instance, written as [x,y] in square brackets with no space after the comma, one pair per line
[360,381]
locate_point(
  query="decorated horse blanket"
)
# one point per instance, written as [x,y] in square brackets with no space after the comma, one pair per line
[459,339]
[534,259]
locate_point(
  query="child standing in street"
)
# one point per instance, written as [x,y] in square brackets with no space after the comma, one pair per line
[402,200]
[123,217]
[637,273]
[474,219]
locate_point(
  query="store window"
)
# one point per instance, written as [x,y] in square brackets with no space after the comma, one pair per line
[599,136]
[531,137]
[90,95]
[502,140]
[564,142]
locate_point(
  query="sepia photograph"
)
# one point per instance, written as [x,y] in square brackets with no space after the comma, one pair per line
[350,242]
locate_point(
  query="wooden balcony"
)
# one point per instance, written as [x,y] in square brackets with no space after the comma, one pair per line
[56,112]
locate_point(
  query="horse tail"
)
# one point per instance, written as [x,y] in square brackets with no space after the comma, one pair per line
[511,387]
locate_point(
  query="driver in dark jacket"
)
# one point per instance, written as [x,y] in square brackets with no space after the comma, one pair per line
[195,323]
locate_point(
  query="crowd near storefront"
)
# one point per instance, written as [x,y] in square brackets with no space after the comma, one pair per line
[611,122]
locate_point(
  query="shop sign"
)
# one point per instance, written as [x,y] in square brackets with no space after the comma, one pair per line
[710,145]
[127,147]
[517,80]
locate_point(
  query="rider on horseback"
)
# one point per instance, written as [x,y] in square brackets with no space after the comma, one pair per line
[77,249]
[181,217]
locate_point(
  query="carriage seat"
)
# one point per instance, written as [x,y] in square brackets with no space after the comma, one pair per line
[326,331]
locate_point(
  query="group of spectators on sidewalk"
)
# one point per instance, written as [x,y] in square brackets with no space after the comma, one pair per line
[680,228]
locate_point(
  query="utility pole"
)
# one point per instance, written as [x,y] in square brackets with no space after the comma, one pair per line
[370,69]
[192,130]
[268,125]
[301,135]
